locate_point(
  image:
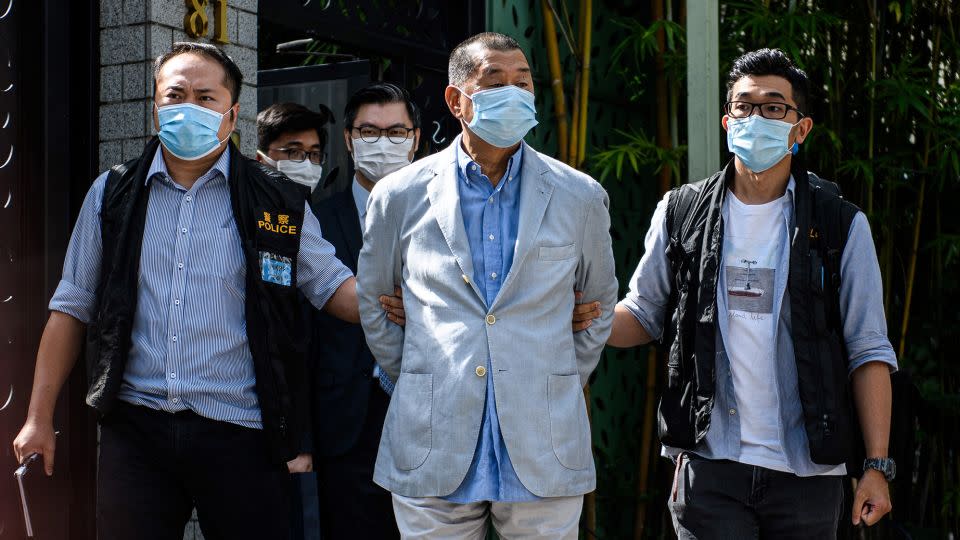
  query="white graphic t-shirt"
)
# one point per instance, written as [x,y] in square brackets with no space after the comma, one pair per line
[754,236]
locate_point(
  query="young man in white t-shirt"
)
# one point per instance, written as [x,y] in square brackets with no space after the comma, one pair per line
[746,378]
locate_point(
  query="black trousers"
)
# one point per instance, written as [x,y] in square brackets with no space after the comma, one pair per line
[719,499]
[155,467]
[351,505]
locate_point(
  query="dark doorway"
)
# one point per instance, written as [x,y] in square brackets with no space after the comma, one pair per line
[317,87]
[407,42]
[48,60]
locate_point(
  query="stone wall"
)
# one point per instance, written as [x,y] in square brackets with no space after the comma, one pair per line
[132,34]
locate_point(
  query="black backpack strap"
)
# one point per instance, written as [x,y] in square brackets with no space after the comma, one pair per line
[679,209]
[833,217]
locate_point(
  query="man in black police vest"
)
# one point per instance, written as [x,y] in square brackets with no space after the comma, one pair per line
[765,284]
[184,269]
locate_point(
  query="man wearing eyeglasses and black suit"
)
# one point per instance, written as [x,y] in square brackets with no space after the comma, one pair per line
[351,394]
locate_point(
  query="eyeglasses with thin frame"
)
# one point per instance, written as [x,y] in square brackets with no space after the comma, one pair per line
[372,134]
[773,110]
[298,155]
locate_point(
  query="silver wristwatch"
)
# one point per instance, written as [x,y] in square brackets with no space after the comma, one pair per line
[886,466]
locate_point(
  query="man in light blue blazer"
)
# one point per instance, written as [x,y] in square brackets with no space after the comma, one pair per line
[488,239]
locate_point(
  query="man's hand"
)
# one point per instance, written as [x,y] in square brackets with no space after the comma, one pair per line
[39,437]
[585,313]
[301,464]
[393,305]
[873,397]
[872,499]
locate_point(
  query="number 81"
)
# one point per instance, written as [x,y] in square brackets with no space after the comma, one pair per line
[195,19]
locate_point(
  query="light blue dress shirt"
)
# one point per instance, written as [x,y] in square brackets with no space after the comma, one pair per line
[491,216]
[864,333]
[189,345]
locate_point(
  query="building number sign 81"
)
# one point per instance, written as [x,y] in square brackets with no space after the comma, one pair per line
[195,19]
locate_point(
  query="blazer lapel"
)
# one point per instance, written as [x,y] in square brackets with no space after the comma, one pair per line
[535,190]
[445,203]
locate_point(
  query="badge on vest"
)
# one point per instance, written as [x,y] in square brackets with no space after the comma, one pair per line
[277,223]
[276,269]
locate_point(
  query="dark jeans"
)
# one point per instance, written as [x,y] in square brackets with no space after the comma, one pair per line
[351,505]
[718,499]
[155,467]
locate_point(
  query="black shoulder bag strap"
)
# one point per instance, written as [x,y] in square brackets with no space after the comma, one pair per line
[834,216]
[679,207]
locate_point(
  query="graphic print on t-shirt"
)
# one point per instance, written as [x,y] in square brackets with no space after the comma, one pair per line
[749,287]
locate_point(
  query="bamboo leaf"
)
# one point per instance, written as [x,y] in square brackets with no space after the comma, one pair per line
[894,8]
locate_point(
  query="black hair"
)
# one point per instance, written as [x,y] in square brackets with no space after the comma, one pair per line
[281,118]
[771,62]
[379,93]
[463,61]
[233,78]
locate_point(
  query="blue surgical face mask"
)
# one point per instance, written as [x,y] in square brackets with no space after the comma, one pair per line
[759,142]
[189,131]
[502,116]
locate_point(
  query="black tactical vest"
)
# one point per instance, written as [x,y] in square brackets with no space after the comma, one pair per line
[275,330]
[822,219]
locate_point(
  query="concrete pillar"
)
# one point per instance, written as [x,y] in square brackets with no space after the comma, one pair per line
[703,89]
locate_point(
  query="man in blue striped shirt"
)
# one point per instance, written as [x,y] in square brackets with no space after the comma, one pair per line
[189,425]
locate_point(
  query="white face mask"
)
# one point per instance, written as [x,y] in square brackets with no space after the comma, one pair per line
[302,172]
[378,159]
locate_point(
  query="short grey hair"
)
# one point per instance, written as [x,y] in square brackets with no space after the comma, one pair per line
[463,63]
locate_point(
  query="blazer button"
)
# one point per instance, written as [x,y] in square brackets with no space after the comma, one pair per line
[481,371]
[491,319]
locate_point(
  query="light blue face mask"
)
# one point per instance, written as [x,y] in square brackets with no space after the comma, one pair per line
[502,116]
[759,142]
[189,131]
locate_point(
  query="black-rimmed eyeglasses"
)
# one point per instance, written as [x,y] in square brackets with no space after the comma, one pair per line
[372,134]
[773,110]
[298,155]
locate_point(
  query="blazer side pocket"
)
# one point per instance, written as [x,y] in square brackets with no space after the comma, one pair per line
[569,430]
[411,434]
[559,253]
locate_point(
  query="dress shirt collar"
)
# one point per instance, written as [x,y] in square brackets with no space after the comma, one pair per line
[470,170]
[158,165]
[360,196]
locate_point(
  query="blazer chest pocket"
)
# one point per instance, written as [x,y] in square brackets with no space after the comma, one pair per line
[411,430]
[557,253]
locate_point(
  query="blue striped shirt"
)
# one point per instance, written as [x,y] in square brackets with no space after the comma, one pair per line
[189,344]
[491,217]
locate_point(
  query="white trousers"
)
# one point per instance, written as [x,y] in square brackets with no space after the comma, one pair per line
[555,518]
